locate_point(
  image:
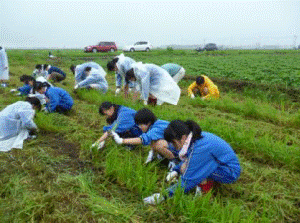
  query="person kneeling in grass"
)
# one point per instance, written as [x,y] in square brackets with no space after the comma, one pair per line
[153,135]
[119,119]
[205,87]
[95,79]
[57,99]
[16,123]
[206,158]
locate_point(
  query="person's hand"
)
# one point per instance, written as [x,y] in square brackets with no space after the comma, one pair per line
[117,138]
[118,90]
[171,165]
[101,145]
[171,176]
[13,90]
[192,96]
[44,109]
[205,91]
[47,100]
[154,199]
[145,102]
[76,87]
[150,157]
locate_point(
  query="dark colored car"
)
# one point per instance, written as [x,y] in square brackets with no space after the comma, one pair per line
[102,47]
[208,47]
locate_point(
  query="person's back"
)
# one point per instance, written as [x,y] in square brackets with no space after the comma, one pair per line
[172,68]
[58,98]
[15,116]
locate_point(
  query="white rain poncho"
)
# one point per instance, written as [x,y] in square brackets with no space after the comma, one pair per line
[154,80]
[4,71]
[15,122]
[79,70]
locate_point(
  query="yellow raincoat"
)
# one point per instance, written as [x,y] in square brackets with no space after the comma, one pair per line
[207,90]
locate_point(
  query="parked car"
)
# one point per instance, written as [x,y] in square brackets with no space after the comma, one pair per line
[102,47]
[139,46]
[208,47]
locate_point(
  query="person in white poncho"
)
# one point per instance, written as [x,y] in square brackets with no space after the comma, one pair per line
[4,71]
[16,123]
[154,82]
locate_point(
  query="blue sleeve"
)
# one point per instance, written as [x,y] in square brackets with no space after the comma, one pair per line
[152,135]
[54,101]
[25,90]
[199,167]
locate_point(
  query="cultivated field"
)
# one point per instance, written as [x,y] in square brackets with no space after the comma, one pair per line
[58,178]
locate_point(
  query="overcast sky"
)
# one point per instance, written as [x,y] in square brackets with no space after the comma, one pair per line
[75,24]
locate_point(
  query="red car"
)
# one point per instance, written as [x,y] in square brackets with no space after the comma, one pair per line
[102,47]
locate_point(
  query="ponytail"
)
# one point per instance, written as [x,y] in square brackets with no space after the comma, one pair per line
[177,128]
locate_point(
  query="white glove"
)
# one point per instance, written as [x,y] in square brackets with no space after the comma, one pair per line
[117,138]
[198,191]
[76,86]
[171,176]
[101,145]
[13,90]
[145,102]
[154,199]
[118,90]
[171,165]
[150,157]
[192,96]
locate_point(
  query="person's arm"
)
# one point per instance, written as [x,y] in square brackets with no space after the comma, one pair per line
[24,90]
[103,137]
[26,118]
[89,80]
[145,85]
[191,88]
[126,141]
[53,102]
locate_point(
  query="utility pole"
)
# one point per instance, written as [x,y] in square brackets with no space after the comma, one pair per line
[295,39]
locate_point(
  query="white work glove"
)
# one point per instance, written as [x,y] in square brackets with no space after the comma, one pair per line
[76,86]
[44,109]
[18,94]
[198,191]
[150,157]
[171,165]
[192,96]
[154,199]
[101,145]
[145,102]
[117,138]
[13,90]
[171,176]
[118,90]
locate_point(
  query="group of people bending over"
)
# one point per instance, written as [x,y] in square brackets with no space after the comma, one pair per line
[198,158]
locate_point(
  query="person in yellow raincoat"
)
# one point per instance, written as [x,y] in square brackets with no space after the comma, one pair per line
[205,87]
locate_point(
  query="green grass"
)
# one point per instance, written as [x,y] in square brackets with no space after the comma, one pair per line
[58,178]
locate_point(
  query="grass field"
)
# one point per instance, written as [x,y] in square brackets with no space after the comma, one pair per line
[58,178]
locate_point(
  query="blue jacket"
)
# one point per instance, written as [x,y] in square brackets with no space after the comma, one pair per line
[57,70]
[25,89]
[58,97]
[124,122]
[209,158]
[155,132]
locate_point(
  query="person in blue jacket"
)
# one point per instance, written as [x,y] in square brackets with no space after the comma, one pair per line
[27,87]
[79,72]
[153,135]
[57,99]
[206,158]
[54,73]
[95,79]
[119,119]
[121,64]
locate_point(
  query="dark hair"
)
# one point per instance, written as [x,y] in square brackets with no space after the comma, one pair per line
[144,116]
[107,105]
[45,66]
[88,69]
[25,78]
[129,75]
[177,128]
[38,66]
[39,85]
[200,80]
[72,68]
[34,101]
[111,65]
